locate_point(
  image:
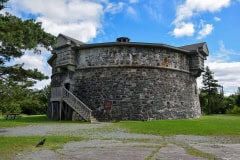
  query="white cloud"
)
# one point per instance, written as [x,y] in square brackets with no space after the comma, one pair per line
[206,30]
[132,12]
[114,8]
[183,29]
[33,60]
[77,18]
[217,19]
[195,7]
[36,61]
[82,31]
[41,84]
[227,74]
[80,19]
[192,8]
[222,55]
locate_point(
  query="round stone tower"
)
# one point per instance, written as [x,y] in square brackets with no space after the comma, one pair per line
[126,80]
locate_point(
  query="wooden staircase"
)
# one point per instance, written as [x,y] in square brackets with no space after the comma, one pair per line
[77,105]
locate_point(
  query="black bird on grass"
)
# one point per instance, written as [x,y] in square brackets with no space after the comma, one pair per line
[41,143]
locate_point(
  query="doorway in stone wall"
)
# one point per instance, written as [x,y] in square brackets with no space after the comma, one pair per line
[67,86]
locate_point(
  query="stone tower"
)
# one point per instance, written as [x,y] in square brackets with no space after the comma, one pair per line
[125,80]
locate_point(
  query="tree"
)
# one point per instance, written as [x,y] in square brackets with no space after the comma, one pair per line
[17,36]
[210,85]
[230,101]
[209,93]
[238,97]
[203,101]
[37,102]
[1,4]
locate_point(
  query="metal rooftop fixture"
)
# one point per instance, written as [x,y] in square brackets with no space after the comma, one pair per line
[123,39]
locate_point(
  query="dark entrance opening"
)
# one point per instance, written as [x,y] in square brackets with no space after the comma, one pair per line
[67,86]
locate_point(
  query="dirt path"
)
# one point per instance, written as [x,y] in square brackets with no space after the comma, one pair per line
[105,141]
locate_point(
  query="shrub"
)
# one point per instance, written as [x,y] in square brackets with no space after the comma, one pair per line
[234,110]
[32,107]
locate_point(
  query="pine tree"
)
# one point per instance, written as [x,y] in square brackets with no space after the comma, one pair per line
[210,91]
[2,4]
[17,36]
[210,85]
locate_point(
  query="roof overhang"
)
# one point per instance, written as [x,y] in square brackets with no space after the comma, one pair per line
[129,44]
[197,48]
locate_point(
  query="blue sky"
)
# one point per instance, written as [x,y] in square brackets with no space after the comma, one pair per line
[172,22]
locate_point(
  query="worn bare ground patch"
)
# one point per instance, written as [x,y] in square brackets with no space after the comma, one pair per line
[105,141]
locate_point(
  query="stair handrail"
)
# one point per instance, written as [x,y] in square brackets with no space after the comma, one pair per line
[81,106]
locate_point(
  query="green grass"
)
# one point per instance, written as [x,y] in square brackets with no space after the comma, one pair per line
[11,146]
[153,153]
[28,120]
[198,153]
[214,125]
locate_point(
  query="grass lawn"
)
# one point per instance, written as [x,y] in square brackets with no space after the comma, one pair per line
[28,120]
[213,125]
[10,146]
[23,121]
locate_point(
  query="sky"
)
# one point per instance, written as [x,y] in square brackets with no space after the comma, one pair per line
[172,22]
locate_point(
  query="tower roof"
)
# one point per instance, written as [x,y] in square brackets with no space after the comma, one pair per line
[63,40]
[197,47]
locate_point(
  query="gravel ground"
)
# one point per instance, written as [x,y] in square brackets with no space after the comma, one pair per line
[90,131]
[106,141]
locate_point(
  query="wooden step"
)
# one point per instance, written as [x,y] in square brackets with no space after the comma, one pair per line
[93,120]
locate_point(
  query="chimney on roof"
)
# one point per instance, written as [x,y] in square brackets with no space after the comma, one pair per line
[123,39]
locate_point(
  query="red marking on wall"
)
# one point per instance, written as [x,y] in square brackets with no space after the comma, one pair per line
[107,105]
[165,62]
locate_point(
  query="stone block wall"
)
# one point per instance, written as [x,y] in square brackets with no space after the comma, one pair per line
[138,93]
[65,56]
[141,83]
[132,56]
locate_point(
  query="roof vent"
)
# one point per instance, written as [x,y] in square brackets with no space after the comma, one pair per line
[123,39]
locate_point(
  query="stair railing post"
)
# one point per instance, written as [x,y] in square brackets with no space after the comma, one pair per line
[52,109]
[61,92]
[90,115]
[60,111]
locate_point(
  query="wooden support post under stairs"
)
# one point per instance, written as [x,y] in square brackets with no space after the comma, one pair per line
[61,94]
